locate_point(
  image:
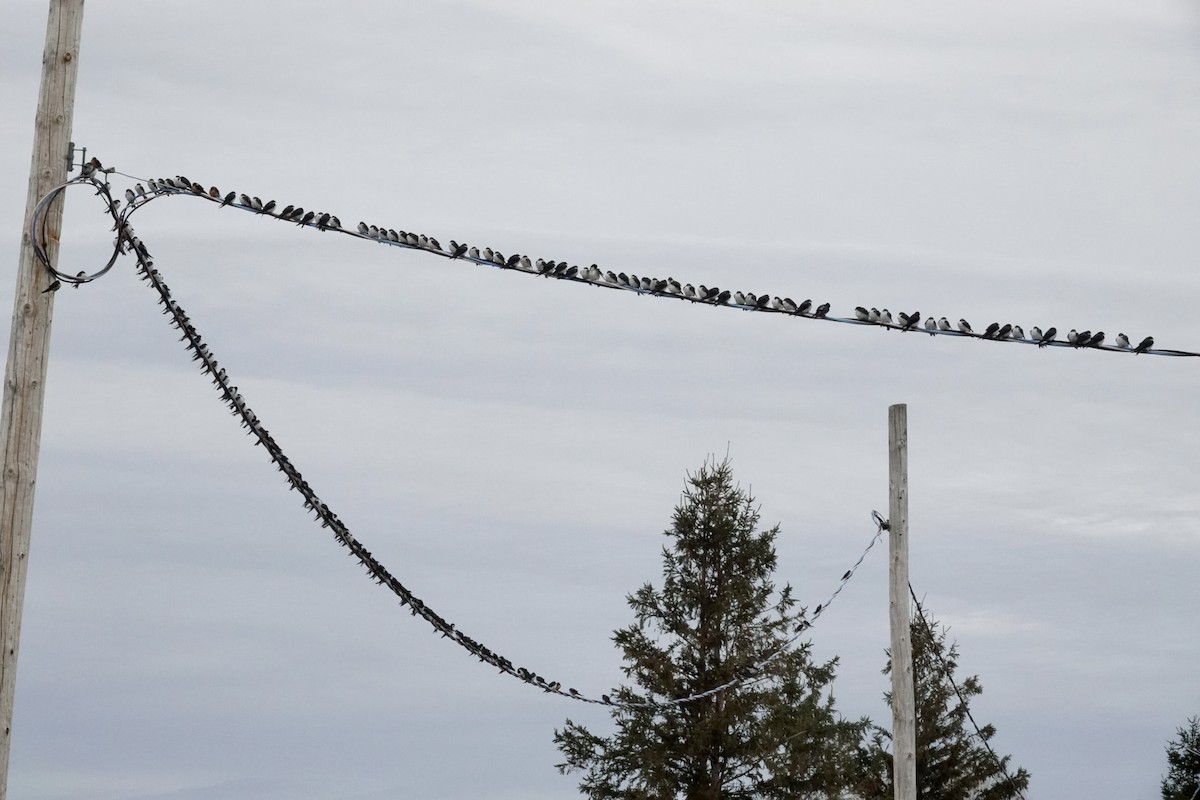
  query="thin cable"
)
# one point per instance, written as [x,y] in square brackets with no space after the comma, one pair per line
[594,276]
[962,700]
[237,404]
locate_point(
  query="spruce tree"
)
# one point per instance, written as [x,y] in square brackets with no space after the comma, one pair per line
[952,762]
[713,621]
[1183,764]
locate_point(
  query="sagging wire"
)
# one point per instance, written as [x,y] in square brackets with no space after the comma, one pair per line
[128,242]
[237,404]
[656,287]
[962,700]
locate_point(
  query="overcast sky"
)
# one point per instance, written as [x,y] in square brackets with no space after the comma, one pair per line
[512,447]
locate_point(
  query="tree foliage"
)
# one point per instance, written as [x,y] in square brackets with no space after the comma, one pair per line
[952,763]
[713,621]
[1183,764]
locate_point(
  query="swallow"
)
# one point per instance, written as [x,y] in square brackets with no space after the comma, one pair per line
[1073,336]
[363,228]
[885,317]
[762,301]
[965,327]
[1047,337]
[334,222]
[130,196]
[322,221]
[1096,339]
[573,692]
[944,324]
[244,200]
[456,249]
[197,189]
[1004,331]
[297,212]
[1017,332]
[229,198]
[140,190]
[846,577]
[1081,339]
[54,286]
[1122,341]
[739,298]
[515,259]
[992,330]
[931,325]
[908,321]
[307,218]
[214,193]
[789,305]
[862,314]
[268,207]
[821,311]
[187,184]
[804,307]
[1035,333]
[1144,345]
[527,265]
[606,699]
[722,298]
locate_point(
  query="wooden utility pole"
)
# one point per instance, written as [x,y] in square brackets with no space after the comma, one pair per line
[904,737]
[29,344]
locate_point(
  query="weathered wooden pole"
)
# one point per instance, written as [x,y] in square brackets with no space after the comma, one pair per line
[904,737]
[29,344]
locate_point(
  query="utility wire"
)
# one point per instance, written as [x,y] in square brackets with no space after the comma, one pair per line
[127,241]
[657,287]
[962,700]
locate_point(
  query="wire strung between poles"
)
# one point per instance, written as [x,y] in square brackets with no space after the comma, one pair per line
[127,241]
[958,692]
[593,276]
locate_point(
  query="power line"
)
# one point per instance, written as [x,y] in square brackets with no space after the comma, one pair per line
[127,241]
[961,699]
[668,288]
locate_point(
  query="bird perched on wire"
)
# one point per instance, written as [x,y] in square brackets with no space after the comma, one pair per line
[1096,339]
[1144,345]
[1122,341]
[821,311]
[991,331]
[931,326]
[965,327]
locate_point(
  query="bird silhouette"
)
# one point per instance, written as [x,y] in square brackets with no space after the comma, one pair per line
[1144,345]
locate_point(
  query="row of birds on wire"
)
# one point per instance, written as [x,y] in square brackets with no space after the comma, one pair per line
[664,287]
[236,402]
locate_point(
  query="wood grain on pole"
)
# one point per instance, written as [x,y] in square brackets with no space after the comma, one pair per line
[903,713]
[29,344]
